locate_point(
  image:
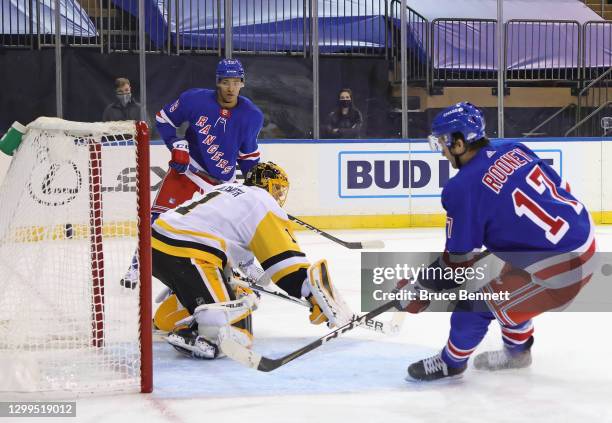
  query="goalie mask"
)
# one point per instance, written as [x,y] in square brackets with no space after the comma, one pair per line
[270,177]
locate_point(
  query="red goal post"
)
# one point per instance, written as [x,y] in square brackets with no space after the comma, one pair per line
[144,257]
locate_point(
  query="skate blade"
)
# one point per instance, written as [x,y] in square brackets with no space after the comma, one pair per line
[177,347]
[183,351]
[449,380]
[160,335]
[504,370]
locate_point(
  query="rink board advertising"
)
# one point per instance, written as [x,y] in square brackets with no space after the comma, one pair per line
[382,178]
[404,174]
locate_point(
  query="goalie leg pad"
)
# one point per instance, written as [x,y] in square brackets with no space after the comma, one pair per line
[326,296]
[201,338]
[233,315]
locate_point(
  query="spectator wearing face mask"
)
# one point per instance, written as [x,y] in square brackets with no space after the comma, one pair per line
[124,107]
[345,121]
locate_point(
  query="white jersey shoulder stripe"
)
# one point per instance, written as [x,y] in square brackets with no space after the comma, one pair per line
[162,117]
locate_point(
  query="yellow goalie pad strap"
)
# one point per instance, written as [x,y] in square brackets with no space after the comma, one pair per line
[168,313]
[316,314]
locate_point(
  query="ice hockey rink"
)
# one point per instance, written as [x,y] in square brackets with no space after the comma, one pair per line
[360,377]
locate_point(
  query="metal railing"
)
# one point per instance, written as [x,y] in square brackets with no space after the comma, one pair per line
[17,26]
[593,100]
[121,30]
[437,53]
[259,27]
[594,123]
[463,50]
[31,24]
[272,26]
[84,34]
[417,56]
[194,27]
[353,28]
[597,41]
[544,128]
[528,44]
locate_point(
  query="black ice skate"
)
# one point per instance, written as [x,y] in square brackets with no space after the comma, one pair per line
[131,277]
[188,342]
[433,368]
[504,359]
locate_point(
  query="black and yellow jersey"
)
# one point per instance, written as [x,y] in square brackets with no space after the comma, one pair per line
[232,223]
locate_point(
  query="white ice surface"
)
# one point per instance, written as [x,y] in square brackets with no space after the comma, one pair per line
[360,377]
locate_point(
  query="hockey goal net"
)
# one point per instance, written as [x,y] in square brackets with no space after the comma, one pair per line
[74,211]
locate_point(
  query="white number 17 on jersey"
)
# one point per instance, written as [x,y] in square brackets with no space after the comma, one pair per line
[554,227]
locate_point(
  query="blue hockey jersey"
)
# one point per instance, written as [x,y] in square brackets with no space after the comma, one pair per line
[218,138]
[512,202]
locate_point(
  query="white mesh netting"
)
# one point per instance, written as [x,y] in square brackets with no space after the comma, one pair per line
[68,232]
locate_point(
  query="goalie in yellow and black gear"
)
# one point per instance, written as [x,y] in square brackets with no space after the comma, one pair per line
[195,244]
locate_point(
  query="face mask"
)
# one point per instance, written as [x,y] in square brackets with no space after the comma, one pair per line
[345,103]
[124,98]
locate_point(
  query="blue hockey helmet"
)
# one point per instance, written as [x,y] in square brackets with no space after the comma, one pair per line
[464,118]
[229,68]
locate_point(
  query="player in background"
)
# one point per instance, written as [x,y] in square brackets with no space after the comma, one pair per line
[195,245]
[510,201]
[222,133]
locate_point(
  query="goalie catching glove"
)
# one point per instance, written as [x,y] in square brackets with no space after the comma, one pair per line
[254,272]
[326,303]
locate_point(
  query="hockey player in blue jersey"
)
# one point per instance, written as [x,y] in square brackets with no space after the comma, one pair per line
[222,133]
[510,201]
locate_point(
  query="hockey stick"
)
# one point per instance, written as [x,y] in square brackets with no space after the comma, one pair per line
[390,327]
[246,282]
[357,245]
[257,361]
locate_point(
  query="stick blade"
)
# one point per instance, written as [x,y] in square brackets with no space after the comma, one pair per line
[238,352]
[396,323]
[374,244]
